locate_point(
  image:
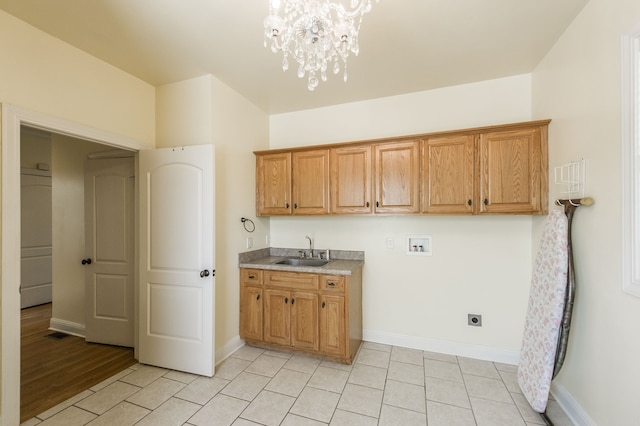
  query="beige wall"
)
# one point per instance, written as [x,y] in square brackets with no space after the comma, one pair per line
[43,74]
[479,264]
[204,110]
[578,84]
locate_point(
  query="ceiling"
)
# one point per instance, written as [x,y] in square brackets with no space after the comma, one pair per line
[405,45]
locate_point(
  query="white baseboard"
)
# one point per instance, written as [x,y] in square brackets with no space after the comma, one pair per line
[443,346]
[67,327]
[230,347]
[569,405]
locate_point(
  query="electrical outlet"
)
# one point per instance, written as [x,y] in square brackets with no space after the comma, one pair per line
[249,242]
[474,320]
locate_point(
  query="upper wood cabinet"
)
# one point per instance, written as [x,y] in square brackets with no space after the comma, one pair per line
[351,180]
[292,183]
[397,177]
[448,175]
[273,184]
[311,182]
[488,170]
[513,171]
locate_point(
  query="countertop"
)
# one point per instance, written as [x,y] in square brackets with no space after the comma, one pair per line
[341,262]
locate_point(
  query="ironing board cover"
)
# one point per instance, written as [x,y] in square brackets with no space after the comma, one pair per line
[544,313]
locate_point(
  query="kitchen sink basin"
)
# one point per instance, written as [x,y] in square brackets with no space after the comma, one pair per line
[303,262]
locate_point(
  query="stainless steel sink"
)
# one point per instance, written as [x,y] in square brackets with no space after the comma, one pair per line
[303,262]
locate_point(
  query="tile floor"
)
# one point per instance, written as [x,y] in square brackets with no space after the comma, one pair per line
[386,385]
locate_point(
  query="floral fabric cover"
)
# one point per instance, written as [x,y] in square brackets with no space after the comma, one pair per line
[544,313]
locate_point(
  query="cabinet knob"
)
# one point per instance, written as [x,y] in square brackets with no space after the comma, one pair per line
[86,261]
[295,205]
[293,300]
[322,305]
[469,202]
[367,204]
[486,202]
[204,273]
[258,297]
[286,206]
[286,300]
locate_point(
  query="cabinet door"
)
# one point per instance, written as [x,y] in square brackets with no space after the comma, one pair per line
[251,312]
[332,325]
[273,184]
[351,180]
[447,175]
[277,316]
[304,320]
[311,182]
[511,164]
[397,177]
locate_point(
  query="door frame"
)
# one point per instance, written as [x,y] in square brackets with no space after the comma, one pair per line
[13,118]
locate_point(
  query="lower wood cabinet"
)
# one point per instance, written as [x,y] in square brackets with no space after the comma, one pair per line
[251,304]
[291,318]
[312,313]
[332,322]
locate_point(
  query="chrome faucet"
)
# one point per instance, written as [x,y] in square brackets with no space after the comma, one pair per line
[310,245]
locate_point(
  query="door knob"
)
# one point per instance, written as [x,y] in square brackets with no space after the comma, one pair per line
[86,261]
[204,273]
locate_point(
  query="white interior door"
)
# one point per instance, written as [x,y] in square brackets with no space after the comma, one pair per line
[36,250]
[177,259]
[109,251]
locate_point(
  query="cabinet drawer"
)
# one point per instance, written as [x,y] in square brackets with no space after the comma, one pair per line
[332,283]
[294,280]
[251,276]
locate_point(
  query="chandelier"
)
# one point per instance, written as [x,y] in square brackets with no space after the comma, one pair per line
[317,34]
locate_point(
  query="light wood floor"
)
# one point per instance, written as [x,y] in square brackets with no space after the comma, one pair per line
[53,371]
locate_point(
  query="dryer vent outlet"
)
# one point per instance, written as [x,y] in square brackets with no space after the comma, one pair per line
[474,320]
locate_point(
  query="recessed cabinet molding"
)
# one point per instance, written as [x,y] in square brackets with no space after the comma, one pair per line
[488,170]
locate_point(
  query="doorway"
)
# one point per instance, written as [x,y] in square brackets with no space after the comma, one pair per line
[90,215]
[12,120]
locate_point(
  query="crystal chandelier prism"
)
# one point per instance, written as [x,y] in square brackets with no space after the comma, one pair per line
[317,34]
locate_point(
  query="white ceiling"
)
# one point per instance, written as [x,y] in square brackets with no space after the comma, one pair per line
[405,45]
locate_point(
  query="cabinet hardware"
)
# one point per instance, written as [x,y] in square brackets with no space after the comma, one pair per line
[367,204]
[486,202]
[86,261]
[286,300]
[331,284]
[286,206]
[258,297]
[377,204]
[252,277]
[293,300]
[204,273]
[469,202]
[295,205]
[322,305]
